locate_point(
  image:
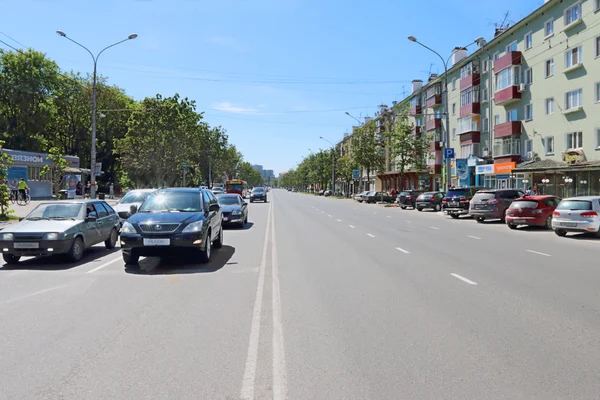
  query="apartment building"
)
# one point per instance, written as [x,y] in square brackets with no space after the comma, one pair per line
[521,107]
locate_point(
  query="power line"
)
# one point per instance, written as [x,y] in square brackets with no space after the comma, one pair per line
[14,48]
[14,40]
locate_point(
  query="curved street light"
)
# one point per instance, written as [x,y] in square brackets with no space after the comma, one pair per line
[94,85]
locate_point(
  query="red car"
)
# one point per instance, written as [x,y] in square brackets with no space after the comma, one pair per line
[532,211]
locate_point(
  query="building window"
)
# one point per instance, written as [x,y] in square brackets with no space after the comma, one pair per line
[512,115]
[528,40]
[496,55]
[528,112]
[596,5]
[573,57]
[496,119]
[453,83]
[572,14]
[453,133]
[573,99]
[469,95]
[598,135]
[484,63]
[484,95]
[598,90]
[485,125]
[549,28]
[598,45]
[549,145]
[574,140]
[511,47]
[528,76]
[549,67]
[506,78]
[467,124]
[466,71]
[528,147]
[453,108]
[550,105]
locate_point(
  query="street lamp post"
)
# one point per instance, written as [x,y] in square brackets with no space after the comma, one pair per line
[332,164]
[447,131]
[94,85]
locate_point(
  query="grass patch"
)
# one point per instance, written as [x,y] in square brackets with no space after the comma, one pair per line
[9,217]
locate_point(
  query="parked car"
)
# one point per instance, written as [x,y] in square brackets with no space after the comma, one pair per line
[408,198]
[577,214]
[362,196]
[456,201]
[258,194]
[134,197]
[65,228]
[327,193]
[234,209]
[172,220]
[321,192]
[430,200]
[218,190]
[374,197]
[531,211]
[492,203]
[294,190]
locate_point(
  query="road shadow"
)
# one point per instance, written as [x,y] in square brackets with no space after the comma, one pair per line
[59,262]
[183,263]
[583,237]
[530,228]
[239,228]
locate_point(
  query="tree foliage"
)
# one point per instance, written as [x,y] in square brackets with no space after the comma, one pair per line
[56,170]
[368,148]
[5,162]
[249,174]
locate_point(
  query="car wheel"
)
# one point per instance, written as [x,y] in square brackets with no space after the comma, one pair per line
[251,201]
[11,259]
[560,232]
[437,208]
[76,251]
[503,218]
[549,222]
[131,258]
[480,219]
[455,216]
[403,207]
[219,242]
[205,253]
[512,226]
[111,242]
[419,209]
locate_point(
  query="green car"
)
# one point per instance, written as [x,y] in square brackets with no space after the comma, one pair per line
[65,227]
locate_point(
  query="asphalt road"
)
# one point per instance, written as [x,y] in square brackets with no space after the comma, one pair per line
[318,299]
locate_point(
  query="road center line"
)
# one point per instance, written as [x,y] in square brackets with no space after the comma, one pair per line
[408,222]
[374,213]
[402,250]
[368,234]
[329,215]
[339,220]
[541,254]
[435,228]
[106,264]
[351,226]
[279,367]
[389,216]
[474,237]
[247,392]
[462,278]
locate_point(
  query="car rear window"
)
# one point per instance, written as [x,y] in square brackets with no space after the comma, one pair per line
[484,196]
[405,193]
[456,193]
[524,204]
[575,205]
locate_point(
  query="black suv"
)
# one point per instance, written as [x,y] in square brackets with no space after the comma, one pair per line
[408,198]
[492,204]
[456,201]
[258,194]
[173,220]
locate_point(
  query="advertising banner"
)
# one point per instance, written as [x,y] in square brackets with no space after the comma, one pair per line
[462,170]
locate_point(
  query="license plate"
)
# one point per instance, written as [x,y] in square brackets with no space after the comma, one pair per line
[157,242]
[422,204]
[453,203]
[568,224]
[27,245]
[225,219]
[519,221]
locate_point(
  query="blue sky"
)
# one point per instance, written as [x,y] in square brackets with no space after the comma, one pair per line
[276,75]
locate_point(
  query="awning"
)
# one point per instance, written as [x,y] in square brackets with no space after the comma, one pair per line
[78,171]
[555,166]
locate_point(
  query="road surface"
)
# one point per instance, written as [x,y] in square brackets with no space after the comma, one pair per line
[316,298]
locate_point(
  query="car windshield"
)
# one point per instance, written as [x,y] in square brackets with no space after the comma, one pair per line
[235,187]
[456,193]
[484,196]
[574,205]
[405,193]
[524,204]
[55,211]
[175,201]
[135,197]
[258,190]
[217,189]
[228,200]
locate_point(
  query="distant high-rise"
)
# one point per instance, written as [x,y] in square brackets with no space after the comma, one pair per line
[259,168]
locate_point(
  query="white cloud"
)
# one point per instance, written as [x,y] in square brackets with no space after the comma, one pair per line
[228,107]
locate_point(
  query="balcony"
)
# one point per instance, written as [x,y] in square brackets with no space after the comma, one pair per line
[434,123]
[508,129]
[434,101]
[509,59]
[470,138]
[435,145]
[470,80]
[507,148]
[469,109]
[508,95]
[416,110]
[417,130]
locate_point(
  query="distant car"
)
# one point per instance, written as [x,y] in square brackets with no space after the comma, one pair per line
[218,190]
[134,197]
[234,209]
[492,203]
[294,190]
[172,220]
[362,196]
[327,193]
[457,200]
[531,211]
[408,198]
[577,214]
[66,227]
[429,200]
[374,197]
[258,194]
[321,192]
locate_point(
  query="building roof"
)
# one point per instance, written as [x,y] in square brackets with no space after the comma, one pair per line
[551,165]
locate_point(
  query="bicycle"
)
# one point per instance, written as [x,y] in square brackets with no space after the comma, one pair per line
[13,196]
[23,200]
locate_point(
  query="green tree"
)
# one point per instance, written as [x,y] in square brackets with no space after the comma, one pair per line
[5,162]
[249,174]
[56,170]
[367,149]
[344,167]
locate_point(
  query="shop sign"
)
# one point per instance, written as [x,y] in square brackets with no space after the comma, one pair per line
[573,156]
[27,158]
[504,168]
[487,169]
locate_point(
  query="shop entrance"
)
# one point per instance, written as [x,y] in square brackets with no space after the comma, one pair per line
[502,183]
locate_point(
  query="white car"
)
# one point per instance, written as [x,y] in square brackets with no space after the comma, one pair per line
[577,214]
[217,190]
[132,198]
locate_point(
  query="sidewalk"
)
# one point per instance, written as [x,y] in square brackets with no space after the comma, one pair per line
[22,211]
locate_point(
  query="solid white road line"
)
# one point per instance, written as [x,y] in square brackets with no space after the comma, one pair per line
[537,252]
[106,264]
[50,289]
[402,250]
[279,368]
[339,220]
[247,392]
[389,216]
[435,228]
[462,278]
[368,234]
[474,237]
[351,226]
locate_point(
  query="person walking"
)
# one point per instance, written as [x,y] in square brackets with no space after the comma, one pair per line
[111,191]
[88,187]
[529,192]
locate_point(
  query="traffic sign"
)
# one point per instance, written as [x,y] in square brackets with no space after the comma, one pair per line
[448,152]
[355,174]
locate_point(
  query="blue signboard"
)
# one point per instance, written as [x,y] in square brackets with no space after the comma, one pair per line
[17,172]
[448,152]
[355,174]
[502,176]
[463,171]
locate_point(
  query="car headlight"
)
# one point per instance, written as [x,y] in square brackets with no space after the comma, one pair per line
[236,212]
[51,236]
[127,228]
[194,227]
[8,236]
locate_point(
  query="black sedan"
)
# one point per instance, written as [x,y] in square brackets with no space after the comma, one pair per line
[171,220]
[234,209]
[374,197]
[258,194]
[430,200]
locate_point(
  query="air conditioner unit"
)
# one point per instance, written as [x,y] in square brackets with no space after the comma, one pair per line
[522,87]
[529,155]
[485,153]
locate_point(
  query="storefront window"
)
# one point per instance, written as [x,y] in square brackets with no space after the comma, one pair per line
[35,174]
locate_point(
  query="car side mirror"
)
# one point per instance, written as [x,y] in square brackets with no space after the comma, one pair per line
[244,204]
[133,209]
[214,207]
[92,216]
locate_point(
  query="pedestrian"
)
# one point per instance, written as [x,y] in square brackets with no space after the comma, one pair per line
[88,187]
[111,191]
[528,192]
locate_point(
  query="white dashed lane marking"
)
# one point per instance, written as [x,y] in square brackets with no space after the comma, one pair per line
[462,278]
[402,250]
[368,234]
[541,254]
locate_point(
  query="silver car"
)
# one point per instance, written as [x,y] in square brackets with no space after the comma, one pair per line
[132,198]
[577,214]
